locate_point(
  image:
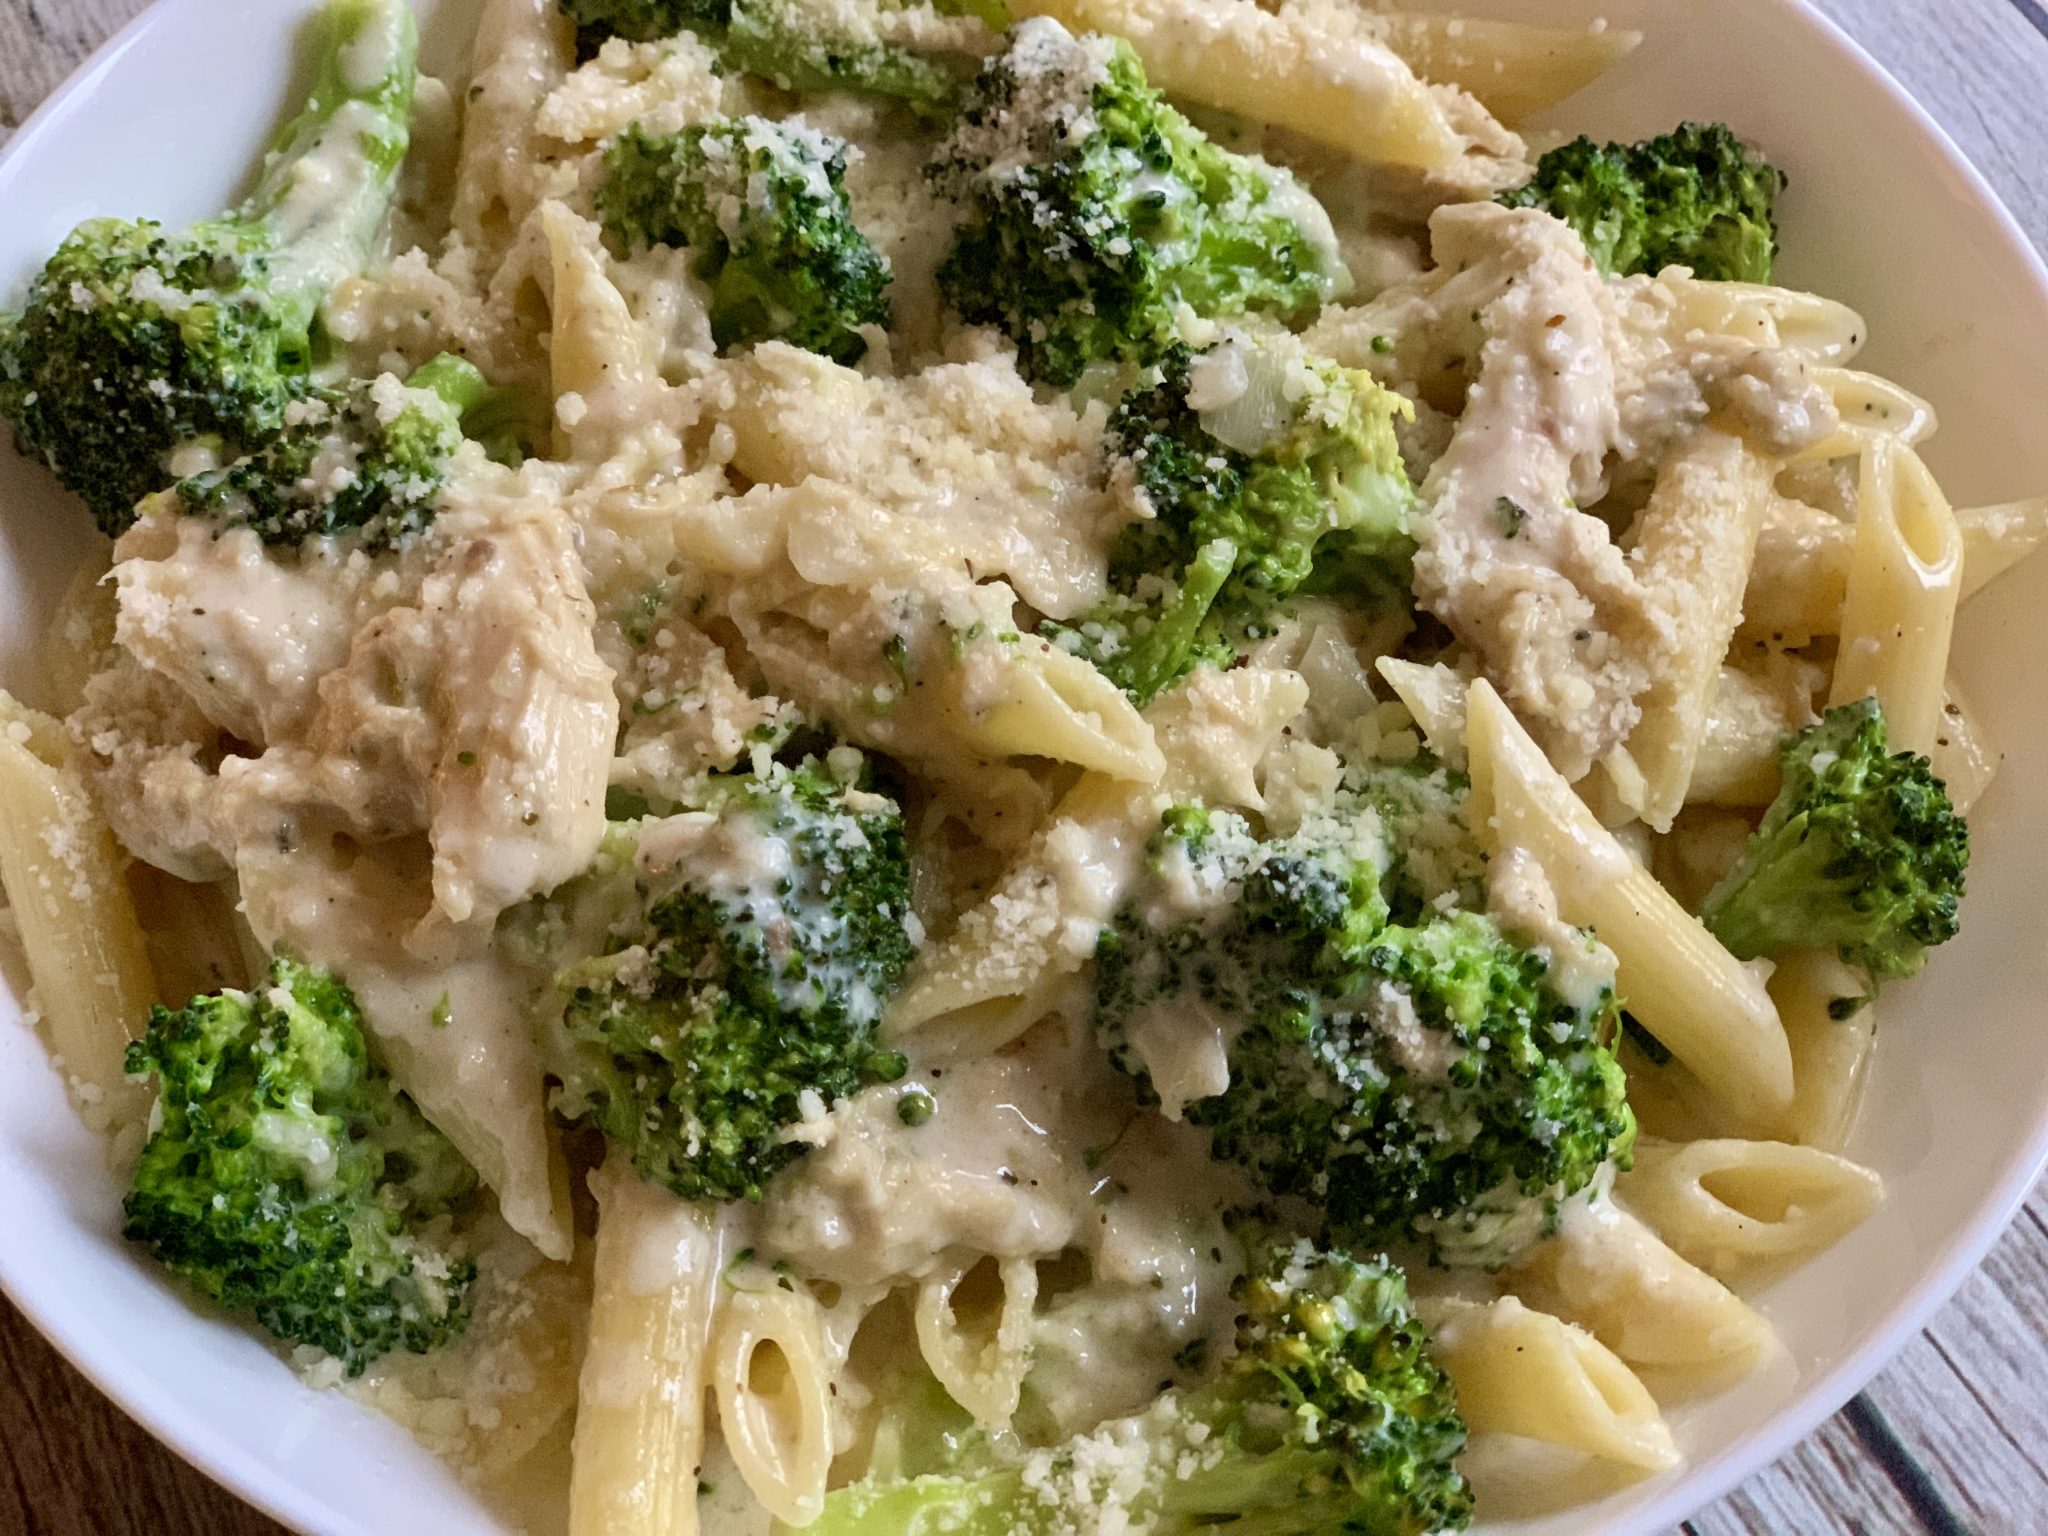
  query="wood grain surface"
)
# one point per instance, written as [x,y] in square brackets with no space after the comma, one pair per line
[1952,1440]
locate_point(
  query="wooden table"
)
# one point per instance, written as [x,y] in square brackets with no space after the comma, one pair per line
[1952,1440]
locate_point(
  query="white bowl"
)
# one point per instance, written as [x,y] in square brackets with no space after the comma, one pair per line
[1882,213]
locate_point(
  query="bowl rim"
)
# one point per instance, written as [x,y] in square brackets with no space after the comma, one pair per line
[233,1465]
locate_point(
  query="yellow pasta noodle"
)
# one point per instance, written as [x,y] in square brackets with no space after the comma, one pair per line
[640,1403]
[599,357]
[1324,76]
[1753,709]
[1435,696]
[1613,1276]
[1517,70]
[1028,698]
[1709,1008]
[523,49]
[1729,1205]
[1820,330]
[1830,1056]
[78,637]
[65,883]
[984,1376]
[1803,555]
[1899,609]
[774,1397]
[1997,538]
[1010,955]
[1869,407]
[1518,1371]
[1964,757]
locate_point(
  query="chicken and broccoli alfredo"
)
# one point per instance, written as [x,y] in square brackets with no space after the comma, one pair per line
[899,767]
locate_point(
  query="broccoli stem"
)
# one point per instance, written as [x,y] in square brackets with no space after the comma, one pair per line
[455,379]
[328,177]
[492,415]
[1161,654]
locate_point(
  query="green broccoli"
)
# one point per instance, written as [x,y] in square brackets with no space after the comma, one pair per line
[288,1179]
[369,457]
[135,341]
[1694,197]
[1092,212]
[763,205]
[1329,1418]
[1286,477]
[799,44]
[1861,852]
[1420,1080]
[1430,852]
[750,943]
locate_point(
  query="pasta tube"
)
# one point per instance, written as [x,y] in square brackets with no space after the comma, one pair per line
[1336,84]
[1708,1007]
[1899,611]
[1613,1276]
[1727,1205]
[640,1406]
[1515,69]
[65,880]
[1522,1372]
[775,1398]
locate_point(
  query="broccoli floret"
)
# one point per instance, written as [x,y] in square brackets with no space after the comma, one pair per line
[370,457]
[763,205]
[290,1180]
[1421,1080]
[1234,926]
[799,44]
[1091,211]
[1330,1417]
[750,942]
[136,340]
[1431,854]
[1694,197]
[1861,852]
[1285,475]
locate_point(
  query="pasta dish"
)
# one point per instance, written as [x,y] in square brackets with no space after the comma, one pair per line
[1005,767]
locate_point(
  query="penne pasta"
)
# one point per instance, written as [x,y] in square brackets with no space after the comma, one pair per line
[1710,1009]
[1830,1055]
[66,885]
[1435,696]
[1518,1371]
[79,637]
[1006,662]
[1730,1205]
[1322,74]
[1899,608]
[775,1397]
[1869,407]
[1801,573]
[1995,539]
[640,1404]
[1514,68]
[984,1376]
[1964,758]
[1028,698]
[1608,1272]
[598,352]
[522,51]
[1752,712]
[1820,330]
